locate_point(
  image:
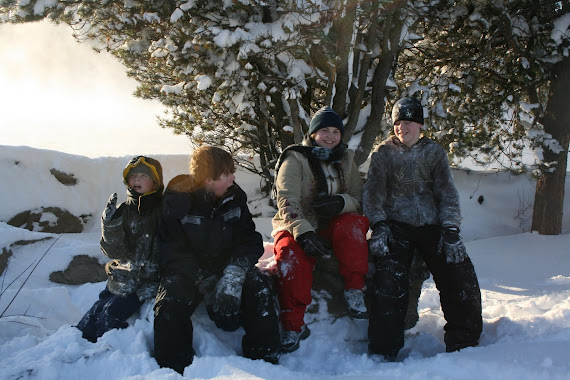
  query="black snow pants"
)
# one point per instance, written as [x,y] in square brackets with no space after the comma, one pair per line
[460,295]
[177,300]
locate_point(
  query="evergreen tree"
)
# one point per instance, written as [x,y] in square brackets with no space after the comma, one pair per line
[246,74]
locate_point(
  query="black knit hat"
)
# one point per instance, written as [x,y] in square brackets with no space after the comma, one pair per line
[408,109]
[325,117]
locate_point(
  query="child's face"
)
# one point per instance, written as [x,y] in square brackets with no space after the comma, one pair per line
[328,137]
[221,185]
[408,132]
[141,183]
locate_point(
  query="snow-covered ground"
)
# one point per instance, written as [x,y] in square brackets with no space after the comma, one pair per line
[524,277]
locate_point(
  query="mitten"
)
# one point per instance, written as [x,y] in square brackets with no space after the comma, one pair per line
[314,245]
[378,242]
[111,213]
[451,246]
[328,206]
[227,298]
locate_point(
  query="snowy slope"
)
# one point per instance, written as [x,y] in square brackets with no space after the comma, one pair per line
[524,277]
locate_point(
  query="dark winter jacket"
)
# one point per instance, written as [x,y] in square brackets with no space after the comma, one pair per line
[411,185]
[200,236]
[131,240]
[296,186]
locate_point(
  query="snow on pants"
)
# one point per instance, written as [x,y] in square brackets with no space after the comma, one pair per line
[458,287]
[177,300]
[109,312]
[347,232]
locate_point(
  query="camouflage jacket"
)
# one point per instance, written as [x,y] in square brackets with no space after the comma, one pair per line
[131,241]
[411,185]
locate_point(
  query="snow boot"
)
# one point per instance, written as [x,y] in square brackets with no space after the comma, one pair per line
[291,339]
[355,302]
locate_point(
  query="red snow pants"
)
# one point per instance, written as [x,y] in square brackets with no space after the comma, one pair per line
[347,233]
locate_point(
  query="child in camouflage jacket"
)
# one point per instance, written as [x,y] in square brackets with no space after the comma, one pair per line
[413,205]
[130,239]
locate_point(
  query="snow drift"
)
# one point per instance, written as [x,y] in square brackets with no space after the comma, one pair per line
[524,278]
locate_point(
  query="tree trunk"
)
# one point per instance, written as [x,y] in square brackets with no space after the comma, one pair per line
[344,29]
[386,61]
[362,62]
[549,196]
[549,200]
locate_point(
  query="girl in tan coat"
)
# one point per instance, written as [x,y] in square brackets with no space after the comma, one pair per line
[318,189]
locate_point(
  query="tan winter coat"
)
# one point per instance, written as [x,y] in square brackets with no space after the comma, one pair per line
[296,188]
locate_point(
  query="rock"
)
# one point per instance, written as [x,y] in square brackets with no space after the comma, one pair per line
[4,257]
[81,269]
[28,242]
[66,179]
[48,219]
[328,285]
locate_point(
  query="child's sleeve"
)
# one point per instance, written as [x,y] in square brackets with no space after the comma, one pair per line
[375,189]
[113,238]
[173,246]
[353,198]
[446,193]
[248,243]
[288,183]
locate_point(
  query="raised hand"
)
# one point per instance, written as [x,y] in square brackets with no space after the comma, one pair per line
[110,212]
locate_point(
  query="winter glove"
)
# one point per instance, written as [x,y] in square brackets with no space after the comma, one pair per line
[328,206]
[378,242]
[451,246]
[227,298]
[122,277]
[314,245]
[111,213]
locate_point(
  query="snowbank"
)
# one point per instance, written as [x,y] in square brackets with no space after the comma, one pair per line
[524,277]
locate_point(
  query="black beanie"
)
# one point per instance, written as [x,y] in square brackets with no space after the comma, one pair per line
[326,117]
[408,109]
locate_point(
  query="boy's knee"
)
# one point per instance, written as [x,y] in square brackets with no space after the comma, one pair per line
[108,323]
[390,279]
[390,287]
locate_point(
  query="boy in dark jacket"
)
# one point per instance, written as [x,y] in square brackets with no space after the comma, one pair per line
[412,204]
[208,251]
[130,239]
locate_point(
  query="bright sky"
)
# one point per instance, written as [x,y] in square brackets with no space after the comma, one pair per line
[61,95]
